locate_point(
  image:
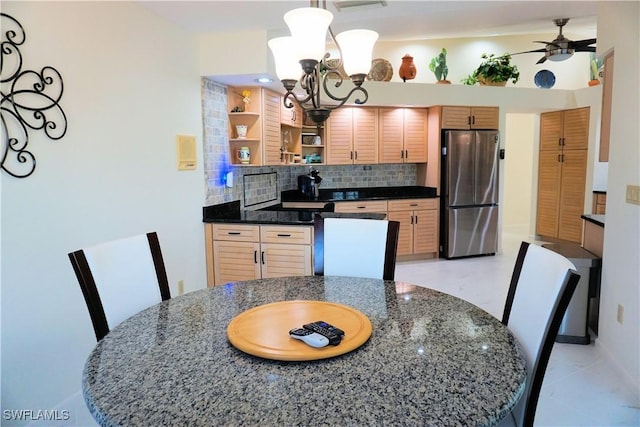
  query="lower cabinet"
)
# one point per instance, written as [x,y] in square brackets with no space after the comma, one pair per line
[238,252]
[364,206]
[418,220]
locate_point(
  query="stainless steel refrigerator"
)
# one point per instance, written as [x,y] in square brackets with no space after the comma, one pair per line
[469,193]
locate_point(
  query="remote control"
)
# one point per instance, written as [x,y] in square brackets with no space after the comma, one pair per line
[309,337]
[330,327]
[334,339]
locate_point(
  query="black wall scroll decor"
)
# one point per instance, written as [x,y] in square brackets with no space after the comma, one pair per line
[30,100]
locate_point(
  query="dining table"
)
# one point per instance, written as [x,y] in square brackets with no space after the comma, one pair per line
[431,359]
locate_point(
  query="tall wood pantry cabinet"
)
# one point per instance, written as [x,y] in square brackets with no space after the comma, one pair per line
[564,139]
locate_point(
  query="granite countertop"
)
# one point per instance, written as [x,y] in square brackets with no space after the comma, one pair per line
[362,193]
[596,219]
[231,213]
[432,359]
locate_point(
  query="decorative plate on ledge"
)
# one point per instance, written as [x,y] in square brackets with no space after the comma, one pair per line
[381,70]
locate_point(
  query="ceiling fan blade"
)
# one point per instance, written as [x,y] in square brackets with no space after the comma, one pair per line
[529,51]
[585,49]
[541,60]
[585,42]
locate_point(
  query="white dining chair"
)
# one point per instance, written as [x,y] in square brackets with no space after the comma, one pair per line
[541,288]
[355,247]
[120,278]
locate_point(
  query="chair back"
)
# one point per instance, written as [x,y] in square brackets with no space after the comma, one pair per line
[355,247]
[541,287]
[120,278]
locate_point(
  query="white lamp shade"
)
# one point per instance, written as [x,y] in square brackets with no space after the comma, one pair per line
[308,26]
[357,50]
[286,58]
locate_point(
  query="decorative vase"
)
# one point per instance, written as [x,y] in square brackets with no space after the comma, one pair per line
[408,68]
[242,131]
[443,82]
[594,82]
[244,155]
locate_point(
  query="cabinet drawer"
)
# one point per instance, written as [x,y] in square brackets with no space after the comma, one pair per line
[236,232]
[412,204]
[377,206]
[299,235]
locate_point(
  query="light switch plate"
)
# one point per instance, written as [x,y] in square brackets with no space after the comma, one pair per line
[633,194]
[186,152]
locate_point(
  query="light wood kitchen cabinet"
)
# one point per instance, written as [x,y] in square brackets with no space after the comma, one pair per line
[402,135]
[246,252]
[262,118]
[599,203]
[364,206]
[456,117]
[562,173]
[418,225]
[605,112]
[291,116]
[352,136]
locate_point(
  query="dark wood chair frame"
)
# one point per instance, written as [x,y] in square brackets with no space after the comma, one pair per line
[391,250]
[571,281]
[90,290]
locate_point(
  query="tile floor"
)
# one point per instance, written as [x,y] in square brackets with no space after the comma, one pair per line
[581,388]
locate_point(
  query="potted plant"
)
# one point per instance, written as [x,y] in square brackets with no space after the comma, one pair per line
[594,70]
[496,70]
[438,67]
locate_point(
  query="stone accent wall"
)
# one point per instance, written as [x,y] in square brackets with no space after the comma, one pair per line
[216,161]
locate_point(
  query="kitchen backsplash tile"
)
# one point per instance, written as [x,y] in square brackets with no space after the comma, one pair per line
[217,164]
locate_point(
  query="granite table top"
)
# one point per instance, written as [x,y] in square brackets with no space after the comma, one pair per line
[432,360]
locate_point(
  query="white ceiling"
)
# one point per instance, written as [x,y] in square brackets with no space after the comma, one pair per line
[399,20]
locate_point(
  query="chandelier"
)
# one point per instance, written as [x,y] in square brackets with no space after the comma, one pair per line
[306,48]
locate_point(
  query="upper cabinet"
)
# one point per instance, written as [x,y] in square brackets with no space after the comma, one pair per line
[261,120]
[470,117]
[291,116]
[402,135]
[352,136]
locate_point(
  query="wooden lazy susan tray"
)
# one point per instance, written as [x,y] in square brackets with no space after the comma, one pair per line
[264,331]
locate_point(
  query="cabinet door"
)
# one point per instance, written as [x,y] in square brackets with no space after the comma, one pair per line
[456,118]
[365,135]
[548,193]
[485,117]
[281,260]
[425,231]
[574,171]
[391,135]
[235,261]
[551,130]
[340,137]
[415,135]
[576,129]
[405,236]
[271,143]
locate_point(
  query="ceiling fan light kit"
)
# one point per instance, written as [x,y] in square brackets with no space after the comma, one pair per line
[561,48]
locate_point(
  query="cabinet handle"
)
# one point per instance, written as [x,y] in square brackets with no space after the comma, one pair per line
[351,155]
[468,120]
[356,155]
[360,207]
[255,257]
[473,120]
[564,140]
[413,204]
[411,219]
[562,156]
[402,154]
[262,257]
[416,219]
[233,233]
[559,158]
[284,235]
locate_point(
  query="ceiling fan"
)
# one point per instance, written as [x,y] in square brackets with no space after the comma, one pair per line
[562,48]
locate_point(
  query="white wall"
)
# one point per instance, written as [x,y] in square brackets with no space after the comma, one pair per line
[618,29]
[522,132]
[131,84]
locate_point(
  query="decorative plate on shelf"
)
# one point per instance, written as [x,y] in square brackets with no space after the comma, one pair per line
[544,79]
[381,70]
